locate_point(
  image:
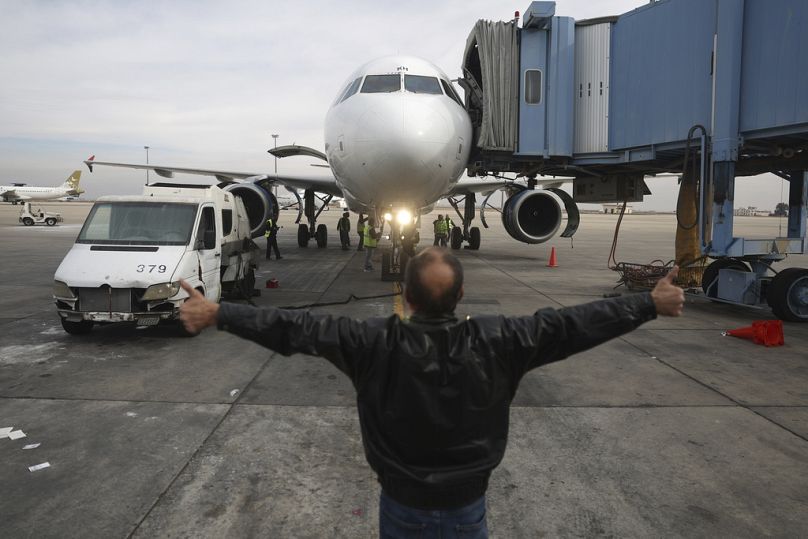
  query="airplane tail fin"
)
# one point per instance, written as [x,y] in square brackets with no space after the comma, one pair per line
[72,182]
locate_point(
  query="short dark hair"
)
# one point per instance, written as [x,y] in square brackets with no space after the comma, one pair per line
[421,296]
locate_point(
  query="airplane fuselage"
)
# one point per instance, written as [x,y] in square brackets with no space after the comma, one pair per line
[28,192]
[397,135]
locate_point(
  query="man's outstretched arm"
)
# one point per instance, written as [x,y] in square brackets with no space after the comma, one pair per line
[551,335]
[340,340]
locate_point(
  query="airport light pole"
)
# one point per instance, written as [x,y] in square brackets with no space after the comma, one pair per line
[275,137]
[147,162]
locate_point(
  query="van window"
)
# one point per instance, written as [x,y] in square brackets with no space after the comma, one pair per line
[378,84]
[227,222]
[138,223]
[532,86]
[206,232]
[421,85]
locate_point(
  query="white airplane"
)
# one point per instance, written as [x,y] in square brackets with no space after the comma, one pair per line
[20,192]
[397,139]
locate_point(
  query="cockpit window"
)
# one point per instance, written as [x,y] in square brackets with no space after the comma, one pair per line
[451,92]
[421,85]
[351,90]
[378,84]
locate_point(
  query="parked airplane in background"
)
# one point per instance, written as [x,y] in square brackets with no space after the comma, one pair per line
[20,192]
[397,139]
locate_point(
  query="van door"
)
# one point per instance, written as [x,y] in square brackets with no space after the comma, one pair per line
[209,253]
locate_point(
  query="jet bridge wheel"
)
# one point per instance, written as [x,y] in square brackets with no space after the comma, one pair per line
[788,295]
[456,237]
[321,235]
[77,328]
[27,221]
[711,274]
[302,235]
[474,238]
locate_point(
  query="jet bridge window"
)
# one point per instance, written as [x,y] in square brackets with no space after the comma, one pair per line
[352,89]
[533,86]
[379,84]
[447,87]
[421,85]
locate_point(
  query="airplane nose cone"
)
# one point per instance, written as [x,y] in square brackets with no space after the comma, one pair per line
[410,139]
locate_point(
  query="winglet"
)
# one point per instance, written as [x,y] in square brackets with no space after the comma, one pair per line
[89,162]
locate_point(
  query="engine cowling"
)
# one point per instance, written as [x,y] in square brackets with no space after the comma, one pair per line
[260,205]
[532,216]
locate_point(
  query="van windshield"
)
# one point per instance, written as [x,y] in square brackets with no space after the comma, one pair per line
[139,223]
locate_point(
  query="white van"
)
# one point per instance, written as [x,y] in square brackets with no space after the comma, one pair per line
[132,252]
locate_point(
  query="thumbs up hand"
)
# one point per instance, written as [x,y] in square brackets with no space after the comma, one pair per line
[197,312]
[669,299]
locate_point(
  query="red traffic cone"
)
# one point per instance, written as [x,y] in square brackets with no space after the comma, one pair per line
[765,332]
[272,283]
[553,263]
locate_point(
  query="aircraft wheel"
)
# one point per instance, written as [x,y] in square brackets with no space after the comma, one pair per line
[50,221]
[474,238]
[711,274]
[77,328]
[27,221]
[321,235]
[788,295]
[302,235]
[456,238]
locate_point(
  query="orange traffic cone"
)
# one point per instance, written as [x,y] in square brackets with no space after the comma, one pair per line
[553,263]
[765,332]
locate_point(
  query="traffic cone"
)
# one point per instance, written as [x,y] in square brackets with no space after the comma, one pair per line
[553,263]
[765,332]
[272,283]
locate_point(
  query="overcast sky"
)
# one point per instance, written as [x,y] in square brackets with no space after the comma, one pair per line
[205,83]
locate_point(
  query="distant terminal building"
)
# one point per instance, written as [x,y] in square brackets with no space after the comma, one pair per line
[750,211]
[616,208]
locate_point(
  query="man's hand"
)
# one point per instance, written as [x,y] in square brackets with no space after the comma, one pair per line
[668,298]
[197,313]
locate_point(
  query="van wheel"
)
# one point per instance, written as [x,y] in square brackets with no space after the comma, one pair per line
[50,221]
[27,221]
[77,328]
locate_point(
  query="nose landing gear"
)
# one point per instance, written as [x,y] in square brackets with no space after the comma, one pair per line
[312,230]
[470,234]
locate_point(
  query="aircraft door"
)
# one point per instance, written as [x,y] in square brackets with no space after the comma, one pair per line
[209,253]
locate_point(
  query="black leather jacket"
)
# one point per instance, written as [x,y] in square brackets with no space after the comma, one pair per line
[433,393]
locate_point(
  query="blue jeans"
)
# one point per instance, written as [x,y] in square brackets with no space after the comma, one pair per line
[398,521]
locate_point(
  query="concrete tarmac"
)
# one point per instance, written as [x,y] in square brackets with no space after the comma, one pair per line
[670,431]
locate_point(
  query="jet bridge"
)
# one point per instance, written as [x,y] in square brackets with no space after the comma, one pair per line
[719,87]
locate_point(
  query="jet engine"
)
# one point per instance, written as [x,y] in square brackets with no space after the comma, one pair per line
[260,205]
[532,216]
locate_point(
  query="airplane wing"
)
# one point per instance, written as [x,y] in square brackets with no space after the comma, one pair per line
[467,186]
[322,184]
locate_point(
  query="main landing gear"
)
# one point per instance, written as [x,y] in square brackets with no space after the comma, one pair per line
[312,230]
[471,235]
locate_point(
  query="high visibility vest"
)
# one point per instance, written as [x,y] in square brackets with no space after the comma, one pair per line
[441,227]
[369,240]
[449,224]
[268,231]
[360,227]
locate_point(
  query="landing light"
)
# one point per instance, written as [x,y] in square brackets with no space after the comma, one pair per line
[388,216]
[404,217]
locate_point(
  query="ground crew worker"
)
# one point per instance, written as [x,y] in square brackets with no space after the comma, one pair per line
[371,240]
[449,226]
[271,234]
[434,392]
[344,227]
[360,229]
[439,227]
